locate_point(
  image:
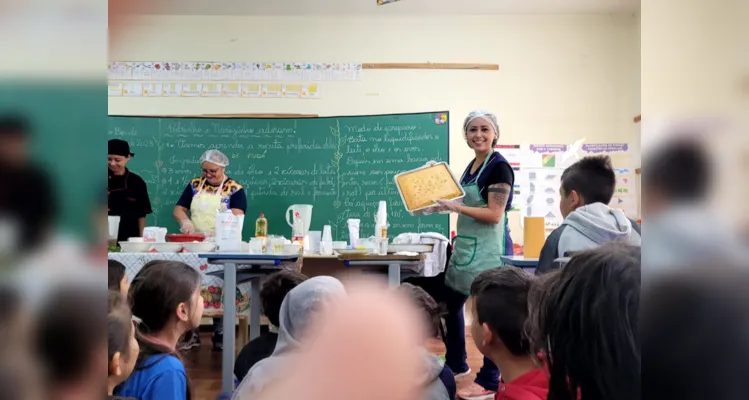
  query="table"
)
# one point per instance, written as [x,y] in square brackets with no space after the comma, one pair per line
[260,265]
[395,263]
[520,261]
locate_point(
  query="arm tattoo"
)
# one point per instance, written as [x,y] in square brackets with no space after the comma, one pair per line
[499,194]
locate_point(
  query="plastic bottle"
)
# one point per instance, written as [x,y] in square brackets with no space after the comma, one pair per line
[261,227]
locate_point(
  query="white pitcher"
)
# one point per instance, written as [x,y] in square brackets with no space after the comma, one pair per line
[305,213]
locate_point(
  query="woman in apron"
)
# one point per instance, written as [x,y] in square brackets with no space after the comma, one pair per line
[127,192]
[482,238]
[212,191]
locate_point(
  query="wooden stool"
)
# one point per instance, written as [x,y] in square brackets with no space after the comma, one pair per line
[243,336]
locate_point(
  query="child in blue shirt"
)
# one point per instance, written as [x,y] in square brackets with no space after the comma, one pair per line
[165,297]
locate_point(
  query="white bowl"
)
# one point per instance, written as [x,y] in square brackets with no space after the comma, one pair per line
[135,240]
[169,247]
[200,247]
[134,247]
[292,249]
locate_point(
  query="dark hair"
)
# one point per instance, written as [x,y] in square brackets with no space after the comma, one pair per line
[592,178]
[680,170]
[120,325]
[585,321]
[15,125]
[274,289]
[70,327]
[116,271]
[501,301]
[698,316]
[431,310]
[155,293]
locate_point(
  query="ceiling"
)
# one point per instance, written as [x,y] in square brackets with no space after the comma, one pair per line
[404,7]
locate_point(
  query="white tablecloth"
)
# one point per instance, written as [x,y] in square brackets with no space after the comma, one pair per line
[212,287]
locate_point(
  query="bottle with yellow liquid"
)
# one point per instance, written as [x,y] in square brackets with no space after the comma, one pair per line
[261,227]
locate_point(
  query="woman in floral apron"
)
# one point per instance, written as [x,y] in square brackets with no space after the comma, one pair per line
[482,238]
[212,191]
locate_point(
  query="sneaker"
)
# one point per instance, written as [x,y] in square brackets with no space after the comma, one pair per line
[192,340]
[476,392]
[459,375]
[218,341]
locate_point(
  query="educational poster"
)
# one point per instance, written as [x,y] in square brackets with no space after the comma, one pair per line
[541,169]
[622,159]
[233,71]
[512,153]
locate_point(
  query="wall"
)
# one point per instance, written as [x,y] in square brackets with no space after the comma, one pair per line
[561,77]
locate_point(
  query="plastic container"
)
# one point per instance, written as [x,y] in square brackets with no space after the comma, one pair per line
[261,226]
[185,238]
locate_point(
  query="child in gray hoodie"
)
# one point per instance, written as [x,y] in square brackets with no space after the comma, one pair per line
[586,190]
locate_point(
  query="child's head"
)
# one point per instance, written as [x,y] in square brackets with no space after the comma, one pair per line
[587,314]
[500,310]
[123,348]
[166,294]
[425,303]
[117,276]
[590,180]
[274,290]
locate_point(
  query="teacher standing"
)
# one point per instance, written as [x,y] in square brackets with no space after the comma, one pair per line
[482,238]
[212,191]
[127,192]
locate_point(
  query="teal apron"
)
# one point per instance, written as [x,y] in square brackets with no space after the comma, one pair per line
[478,245]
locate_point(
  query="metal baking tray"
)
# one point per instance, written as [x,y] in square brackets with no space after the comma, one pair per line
[453,192]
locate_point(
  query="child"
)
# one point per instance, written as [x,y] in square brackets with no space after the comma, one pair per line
[586,190]
[300,307]
[123,348]
[274,290]
[165,297]
[585,322]
[439,380]
[499,315]
[117,277]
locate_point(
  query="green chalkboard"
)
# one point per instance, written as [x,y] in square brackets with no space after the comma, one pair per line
[343,166]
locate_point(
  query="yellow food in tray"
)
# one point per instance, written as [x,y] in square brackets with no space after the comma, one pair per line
[419,188]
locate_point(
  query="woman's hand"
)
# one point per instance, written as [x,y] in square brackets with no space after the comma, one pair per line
[451,205]
[186,227]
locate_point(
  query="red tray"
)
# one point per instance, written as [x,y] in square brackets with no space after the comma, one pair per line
[185,238]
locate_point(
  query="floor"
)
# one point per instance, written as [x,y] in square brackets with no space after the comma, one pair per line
[204,366]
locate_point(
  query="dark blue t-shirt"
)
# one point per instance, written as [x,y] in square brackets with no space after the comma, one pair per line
[232,193]
[497,170]
[162,378]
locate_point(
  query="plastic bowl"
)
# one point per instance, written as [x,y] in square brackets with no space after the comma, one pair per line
[134,247]
[185,238]
[201,247]
[292,249]
[167,247]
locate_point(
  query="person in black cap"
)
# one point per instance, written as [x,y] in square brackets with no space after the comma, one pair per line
[128,193]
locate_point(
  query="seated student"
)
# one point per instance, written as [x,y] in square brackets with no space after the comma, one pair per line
[117,277]
[273,291]
[586,190]
[584,320]
[298,310]
[165,297]
[123,347]
[499,316]
[438,381]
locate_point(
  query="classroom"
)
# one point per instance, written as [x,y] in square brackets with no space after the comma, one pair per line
[349,139]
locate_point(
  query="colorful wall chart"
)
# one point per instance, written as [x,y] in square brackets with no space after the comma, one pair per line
[541,169]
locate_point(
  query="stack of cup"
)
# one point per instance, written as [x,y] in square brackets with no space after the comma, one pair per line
[326,243]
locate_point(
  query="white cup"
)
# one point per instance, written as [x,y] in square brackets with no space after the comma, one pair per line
[326,243]
[315,237]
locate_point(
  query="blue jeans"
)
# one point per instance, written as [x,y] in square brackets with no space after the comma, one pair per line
[488,375]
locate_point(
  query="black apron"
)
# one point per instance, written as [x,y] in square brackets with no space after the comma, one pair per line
[124,200]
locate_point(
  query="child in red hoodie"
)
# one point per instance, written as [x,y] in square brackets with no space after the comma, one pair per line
[500,298]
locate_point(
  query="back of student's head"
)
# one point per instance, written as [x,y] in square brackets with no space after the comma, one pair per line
[592,178]
[679,171]
[70,338]
[585,319]
[425,303]
[116,271]
[120,326]
[274,290]
[500,300]
[159,289]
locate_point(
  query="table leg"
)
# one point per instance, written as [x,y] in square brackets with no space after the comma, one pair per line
[230,319]
[394,275]
[254,308]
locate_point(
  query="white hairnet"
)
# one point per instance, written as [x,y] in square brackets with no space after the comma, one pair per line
[486,115]
[216,157]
